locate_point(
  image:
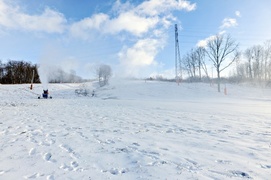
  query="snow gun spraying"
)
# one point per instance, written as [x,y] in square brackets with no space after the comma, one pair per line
[44,73]
[45,95]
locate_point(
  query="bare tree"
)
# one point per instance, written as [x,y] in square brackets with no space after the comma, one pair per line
[219,50]
[205,69]
[103,72]
[193,62]
[187,65]
[249,56]
[257,61]
[267,60]
[200,53]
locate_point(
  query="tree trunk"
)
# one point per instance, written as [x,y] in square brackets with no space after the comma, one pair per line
[200,72]
[218,80]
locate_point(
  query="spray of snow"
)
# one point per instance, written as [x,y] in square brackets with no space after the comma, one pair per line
[54,66]
[44,76]
[46,65]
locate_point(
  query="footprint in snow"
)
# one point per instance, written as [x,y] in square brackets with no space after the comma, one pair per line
[32,176]
[266,166]
[109,141]
[66,167]
[66,148]
[82,135]
[158,163]
[116,171]
[136,144]
[50,177]
[52,134]
[32,151]
[70,151]
[170,131]
[50,141]
[47,156]
[42,143]
[240,174]
[5,132]
[74,164]
[223,161]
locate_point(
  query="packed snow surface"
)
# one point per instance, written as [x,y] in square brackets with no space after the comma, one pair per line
[134,129]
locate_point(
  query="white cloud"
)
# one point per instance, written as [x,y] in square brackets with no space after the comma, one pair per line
[119,7]
[83,28]
[237,13]
[137,59]
[228,22]
[12,17]
[5,12]
[203,43]
[49,21]
[131,23]
[141,54]
[136,20]
[156,7]
[182,4]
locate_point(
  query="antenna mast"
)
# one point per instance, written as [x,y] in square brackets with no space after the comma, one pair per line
[178,71]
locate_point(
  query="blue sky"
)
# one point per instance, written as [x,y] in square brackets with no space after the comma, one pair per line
[135,37]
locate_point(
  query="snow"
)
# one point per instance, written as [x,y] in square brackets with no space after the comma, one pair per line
[134,129]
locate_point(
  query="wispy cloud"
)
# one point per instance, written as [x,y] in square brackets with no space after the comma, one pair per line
[229,22]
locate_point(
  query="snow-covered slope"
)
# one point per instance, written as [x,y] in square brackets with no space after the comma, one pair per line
[135,130]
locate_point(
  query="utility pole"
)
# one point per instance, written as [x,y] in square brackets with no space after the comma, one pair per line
[178,71]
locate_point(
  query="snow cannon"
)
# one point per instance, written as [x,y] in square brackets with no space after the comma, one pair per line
[45,94]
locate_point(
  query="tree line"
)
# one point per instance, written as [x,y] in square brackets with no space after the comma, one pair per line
[21,72]
[253,64]
[18,72]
